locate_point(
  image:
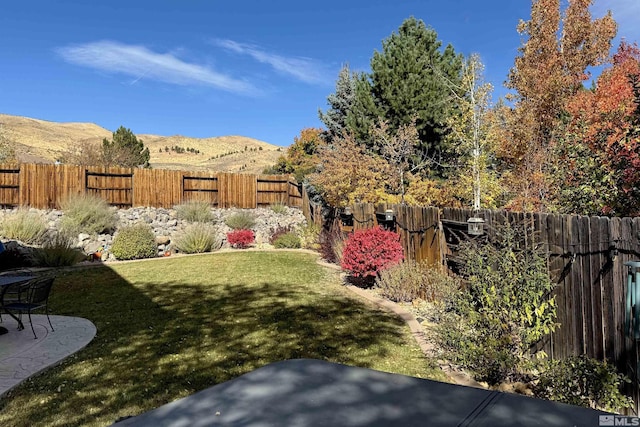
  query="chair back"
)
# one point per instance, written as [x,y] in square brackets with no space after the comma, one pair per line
[14,292]
[39,290]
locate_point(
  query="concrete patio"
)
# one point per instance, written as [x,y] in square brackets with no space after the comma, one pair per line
[22,356]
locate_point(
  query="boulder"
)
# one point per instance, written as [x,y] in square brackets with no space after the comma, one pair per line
[163,240]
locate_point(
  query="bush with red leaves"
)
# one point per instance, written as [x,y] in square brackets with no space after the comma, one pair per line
[240,239]
[367,252]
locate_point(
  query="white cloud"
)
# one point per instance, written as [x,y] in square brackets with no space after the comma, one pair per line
[304,69]
[140,62]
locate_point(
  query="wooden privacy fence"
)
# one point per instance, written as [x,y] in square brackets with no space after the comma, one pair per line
[587,257]
[45,186]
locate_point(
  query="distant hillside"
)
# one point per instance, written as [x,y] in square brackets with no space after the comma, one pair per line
[43,141]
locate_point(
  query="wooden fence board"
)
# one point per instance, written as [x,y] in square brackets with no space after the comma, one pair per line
[598,339]
[574,280]
[311,210]
[583,269]
[606,284]
[295,194]
[617,282]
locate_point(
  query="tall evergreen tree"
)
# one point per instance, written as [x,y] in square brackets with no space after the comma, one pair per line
[410,78]
[340,103]
[125,150]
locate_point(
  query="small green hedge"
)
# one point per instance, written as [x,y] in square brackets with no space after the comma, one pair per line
[134,242]
[288,240]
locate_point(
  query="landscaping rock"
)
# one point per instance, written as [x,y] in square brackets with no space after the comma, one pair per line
[163,240]
[166,225]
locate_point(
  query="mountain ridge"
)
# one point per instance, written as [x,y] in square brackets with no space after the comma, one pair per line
[44,141]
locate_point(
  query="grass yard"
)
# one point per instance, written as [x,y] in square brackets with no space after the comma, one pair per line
[170,327]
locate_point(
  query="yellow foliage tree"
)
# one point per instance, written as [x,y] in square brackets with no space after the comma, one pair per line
[302,156]
[470,135]
[349,174]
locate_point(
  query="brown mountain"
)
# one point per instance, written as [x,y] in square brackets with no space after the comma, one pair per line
[43,142]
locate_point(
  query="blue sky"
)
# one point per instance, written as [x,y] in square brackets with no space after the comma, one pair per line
[205,68]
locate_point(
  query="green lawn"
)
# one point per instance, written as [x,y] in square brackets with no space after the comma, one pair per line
[170,327]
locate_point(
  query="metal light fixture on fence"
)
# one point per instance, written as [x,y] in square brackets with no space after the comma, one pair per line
[475,226]
[388,215]
[632,300]
[386,219]
[346,217]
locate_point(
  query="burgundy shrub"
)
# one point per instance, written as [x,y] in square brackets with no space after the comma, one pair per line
[367,252]
[240,239]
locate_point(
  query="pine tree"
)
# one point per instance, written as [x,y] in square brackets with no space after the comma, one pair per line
[410,78]
[125,150]
[340,104]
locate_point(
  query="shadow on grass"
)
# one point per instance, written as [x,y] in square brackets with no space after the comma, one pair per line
[158,342]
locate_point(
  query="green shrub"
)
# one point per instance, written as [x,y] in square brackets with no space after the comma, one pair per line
[134,242]
[505,308]
[194,211]
[27,227]
[411,280]
[198,238]
[58,251]
[87,213]
[242,220]
[279,208]
[583,381]
[275,233]
[309,236]
[288,240]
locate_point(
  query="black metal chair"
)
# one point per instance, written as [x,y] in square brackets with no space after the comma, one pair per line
[32,296]
[11,294]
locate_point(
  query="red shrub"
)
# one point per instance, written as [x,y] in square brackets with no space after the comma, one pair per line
[367,252]
[240,238]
